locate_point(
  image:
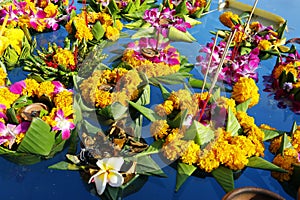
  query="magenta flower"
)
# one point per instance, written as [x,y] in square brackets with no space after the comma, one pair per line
[63,124]
[58,87]
[232,69]
[162,21]
[162,53]
[17,87]
[9,132]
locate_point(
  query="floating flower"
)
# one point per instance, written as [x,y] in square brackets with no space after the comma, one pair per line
[41,112]
[245,89]
[108,173]
[35,15]
[229,19]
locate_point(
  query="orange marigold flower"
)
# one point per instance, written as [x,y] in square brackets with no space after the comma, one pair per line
[159,129]
[226,19]
[264,45]
[244,89]
[191,154]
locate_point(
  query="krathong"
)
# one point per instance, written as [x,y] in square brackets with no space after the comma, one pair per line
[284,83]
[36,120]
[285,145]
[218,138]
[89,28]
[115,162]
[39,15]
[54,63]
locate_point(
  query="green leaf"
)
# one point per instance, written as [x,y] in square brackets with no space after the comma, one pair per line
[144,32]
[232,125]
[183,172]
[181,8]
[285,143]
[191,21]
[154,148]
[147,166]
[148,113]
[243,106]
[11,116]
[38,139]
[177,35]
[164,91]
[19,158]
[260,163]
[270,134]
[172,79]
[98,31]
[202,134]
[295,178]
[294,128]
[113,8]
[135,24]
[63,165]
[224,176]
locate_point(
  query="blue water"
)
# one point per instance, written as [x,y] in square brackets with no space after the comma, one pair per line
[38,182]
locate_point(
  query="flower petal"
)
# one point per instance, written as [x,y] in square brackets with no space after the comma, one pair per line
[115,179]
[17,87]
[114,163]
[100,182]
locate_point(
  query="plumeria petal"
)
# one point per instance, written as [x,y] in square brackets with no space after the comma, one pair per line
[100,182]
[111,163]
[115,179]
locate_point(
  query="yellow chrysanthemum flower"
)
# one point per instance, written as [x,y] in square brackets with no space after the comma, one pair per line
[64,57]
[264,45]
[244,89]
[191,154]
[159,129]
[3,77]
[31,87]
[226,19]
[7,97]
[112,33]
[286,161]
[46,88]
[51,10]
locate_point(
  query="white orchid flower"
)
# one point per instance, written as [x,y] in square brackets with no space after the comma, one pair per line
[108,173]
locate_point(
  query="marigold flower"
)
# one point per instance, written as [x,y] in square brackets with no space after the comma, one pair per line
[296,139]
[64,57]
[226,19]
[112,33]
[31,87]
[287,68]
[191,154]
[45,88]
[286,161]
[264,45]
[7,97]
[159,129]
[3,76]
[244,89]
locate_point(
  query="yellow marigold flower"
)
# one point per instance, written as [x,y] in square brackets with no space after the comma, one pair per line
[226,19]
[7,97]
[159,129]
[239,36]
[173,150]
[31,87]
[46,88]
[175,134]
[268,127]
[64,57]
[49,119]
[244,89]
[255,26]
[82,31]
[105,19]
[68,26]
[285,162]
[165,108]
[191,154]
[275,144]
[112,33]
[245,120]
[259,145]
[3,76]
[285,68]
[51,10]
[24,21]
[64,101]
[227,103]
[43,3]
[208,161]
[296,139]
[264,45]
[102,98]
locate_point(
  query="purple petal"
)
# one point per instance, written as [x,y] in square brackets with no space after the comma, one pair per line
[17,87]
[65,134]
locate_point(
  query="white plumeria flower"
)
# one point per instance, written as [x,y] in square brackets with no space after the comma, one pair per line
[108,173]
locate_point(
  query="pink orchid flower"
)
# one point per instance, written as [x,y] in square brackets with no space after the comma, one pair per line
[63,124]
[9,132]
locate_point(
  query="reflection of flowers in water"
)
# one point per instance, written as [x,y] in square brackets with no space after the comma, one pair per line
[283,83]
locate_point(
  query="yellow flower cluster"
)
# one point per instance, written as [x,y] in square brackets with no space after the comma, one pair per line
[226,19]
[290,67]
[13,37]
[104,87]
[231,151]
[285,161]
[227,103]
[64,57]
[244,89]
[149,68]
[264,45]
[7,98]
[83,21]
[3,77]
[179,100]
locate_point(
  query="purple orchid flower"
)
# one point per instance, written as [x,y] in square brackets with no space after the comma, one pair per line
[9,132]
[63,124]
[17,87]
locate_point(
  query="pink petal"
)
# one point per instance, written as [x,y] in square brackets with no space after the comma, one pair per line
[17,87]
